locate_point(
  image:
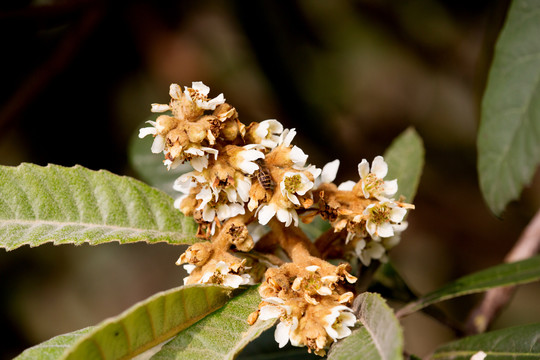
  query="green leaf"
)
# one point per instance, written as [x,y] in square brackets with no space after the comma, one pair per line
[221,335]
[405,159]
[53,348]
[149,166]
[149,322]
[515,343]
[379,338]
[144,325]
[515,273]
[77,205]
[509,133]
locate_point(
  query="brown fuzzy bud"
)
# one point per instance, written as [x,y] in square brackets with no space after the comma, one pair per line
[230,130]
[165,123]
[225,111]
[197,254]
[197,131]
[240,237]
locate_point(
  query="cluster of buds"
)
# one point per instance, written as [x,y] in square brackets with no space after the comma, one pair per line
[250,178]
[313,309]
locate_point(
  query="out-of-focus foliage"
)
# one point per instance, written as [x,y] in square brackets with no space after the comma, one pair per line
[509,134]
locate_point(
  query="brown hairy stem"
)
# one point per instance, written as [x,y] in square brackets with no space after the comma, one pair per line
[295,243]
[494,300]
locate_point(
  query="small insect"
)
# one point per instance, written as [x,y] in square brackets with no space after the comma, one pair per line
[264,177]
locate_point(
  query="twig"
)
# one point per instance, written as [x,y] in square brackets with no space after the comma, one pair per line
[495,299]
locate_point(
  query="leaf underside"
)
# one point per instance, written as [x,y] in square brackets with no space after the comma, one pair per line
[509,133]
[515,273]
[221,335]
[77,205]
[515,343]
[405,159]
[143,326]
[379,338]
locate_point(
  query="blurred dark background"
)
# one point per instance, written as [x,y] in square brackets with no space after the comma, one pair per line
[78,78]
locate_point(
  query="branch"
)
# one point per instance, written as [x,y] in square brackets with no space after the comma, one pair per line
[495,299]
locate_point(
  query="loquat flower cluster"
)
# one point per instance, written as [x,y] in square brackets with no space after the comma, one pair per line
[249,189]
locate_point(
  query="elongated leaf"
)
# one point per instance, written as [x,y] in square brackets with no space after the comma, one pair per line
[53,348]
[515,343]
[138,329]
[519,272]
[221,335]
[76,205]
[405,159]
[509,134]
[379,338]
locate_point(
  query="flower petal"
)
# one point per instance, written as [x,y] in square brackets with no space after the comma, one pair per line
[329,171]
[297,156]
[379,167]
[390,187]
[147,131]
[270,312]
[199,163]
[233,281]
[159,108]
[282,333]
[363,168]
[346,186]
[266,213]
[158,145]
[385,230]
[175,91]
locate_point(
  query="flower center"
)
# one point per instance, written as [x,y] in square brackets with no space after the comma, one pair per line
[380,213]
[293,183]
[373,184]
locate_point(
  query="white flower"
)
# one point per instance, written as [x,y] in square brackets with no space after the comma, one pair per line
[269,131]
[338,322]
[243,185]
[382,218]
[372,181]
[286,216]
[479,356]
[200,96]
[222,211]
[274,309]
[245,160]
[159,141]
[294,183]
[199,159]
[285,330]
[366,251]
[270,312]
[221,275]
[298,156]
[286,137]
